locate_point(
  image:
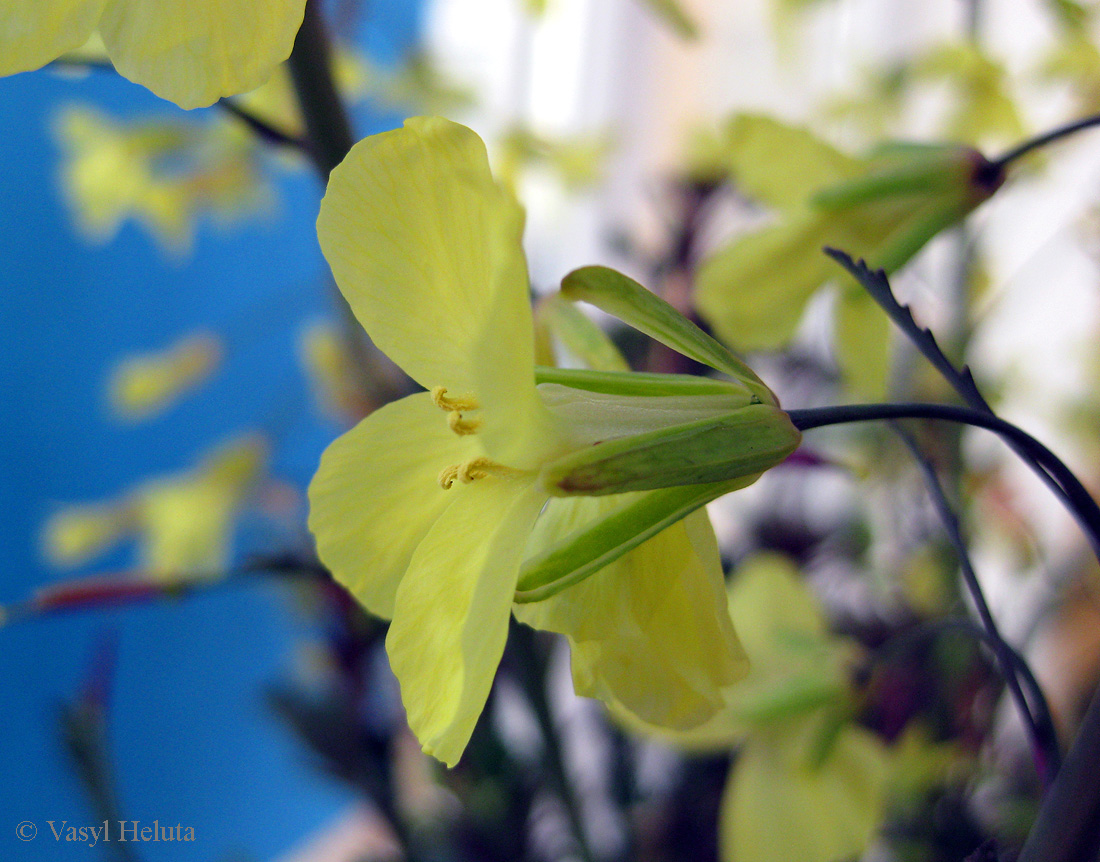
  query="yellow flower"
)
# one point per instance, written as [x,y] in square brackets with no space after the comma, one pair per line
[164,173]
[143,386]
[884,207]
[190,53]
[426,509]
[183,524]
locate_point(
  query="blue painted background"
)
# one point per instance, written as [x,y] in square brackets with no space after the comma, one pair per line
[192,740]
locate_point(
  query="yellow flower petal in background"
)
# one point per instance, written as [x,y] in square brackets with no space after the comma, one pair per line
[453,604]
[862,341]
[34,32]
[427,249]
[330,369]
[376,495]
[884,207]
[143,386]
[650,633]
[778,164]
[190,53]
[185,523]
[163,173]
[76,534]
[785,802]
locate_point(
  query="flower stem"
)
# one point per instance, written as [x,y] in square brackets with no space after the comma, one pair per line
[1068,826]
[1044,744]
[961,380]
[1035,143]
[533,670]
[1073,494]
[329,138]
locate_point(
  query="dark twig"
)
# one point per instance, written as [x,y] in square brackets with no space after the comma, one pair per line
[1072,493]
[1065,485]
[1035,143]
[329,135]
[1040,729]
[261,128]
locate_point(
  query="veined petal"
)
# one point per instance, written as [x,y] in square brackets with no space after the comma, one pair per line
[650,633]
[450,618]
[194,53]
[427,249]
[376,495]
[34,32]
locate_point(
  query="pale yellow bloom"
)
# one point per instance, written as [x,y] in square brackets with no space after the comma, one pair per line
[191,53]
[142,386]
[428,509]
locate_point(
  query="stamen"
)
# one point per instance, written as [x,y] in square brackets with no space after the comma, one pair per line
[447,476]
[463,402]
[460,425]
[479,468]
[472,470]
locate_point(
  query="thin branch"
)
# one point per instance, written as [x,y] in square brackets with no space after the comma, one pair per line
[330,137]
[1050,137]
[1071,492]
[1044,743]
[1066,485]
[263,129]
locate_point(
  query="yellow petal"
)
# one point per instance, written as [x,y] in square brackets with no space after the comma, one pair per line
[427,249]
[450,618]
[779,164]
[194,53]
[753,291]
[75,534]
[650,634]
[376,494]
[186,522]
[781,805]
[34,32]
[862,342]
[143,386]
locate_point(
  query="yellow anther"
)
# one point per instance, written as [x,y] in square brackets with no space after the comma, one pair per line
[447,476]
[475,468]
[479,468]
[460,425]
[464,402]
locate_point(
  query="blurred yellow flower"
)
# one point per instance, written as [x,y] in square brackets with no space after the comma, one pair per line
[161,172]
[190,53]
[183,524]
[143,386]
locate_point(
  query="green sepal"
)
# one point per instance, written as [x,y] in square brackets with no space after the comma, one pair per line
[627,300]
[641,383]
[579,334]
[904,170]
[588,550]
[742,442]
[673,14]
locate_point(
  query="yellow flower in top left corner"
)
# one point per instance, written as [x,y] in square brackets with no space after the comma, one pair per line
[190,53]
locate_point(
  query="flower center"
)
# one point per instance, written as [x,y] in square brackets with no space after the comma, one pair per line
[474,468]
